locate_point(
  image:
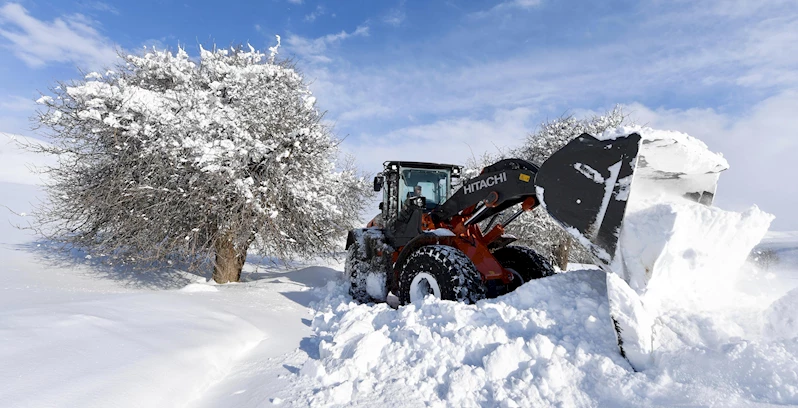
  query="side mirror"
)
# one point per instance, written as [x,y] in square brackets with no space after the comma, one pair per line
[382,206]
[378,183]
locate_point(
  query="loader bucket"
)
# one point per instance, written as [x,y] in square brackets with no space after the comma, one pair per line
[585,186]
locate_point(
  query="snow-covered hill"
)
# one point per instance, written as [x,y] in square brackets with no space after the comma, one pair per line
[78,332]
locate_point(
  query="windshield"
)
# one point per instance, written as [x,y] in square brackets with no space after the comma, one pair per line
[433,185]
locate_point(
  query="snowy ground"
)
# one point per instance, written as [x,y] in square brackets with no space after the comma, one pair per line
[77,332]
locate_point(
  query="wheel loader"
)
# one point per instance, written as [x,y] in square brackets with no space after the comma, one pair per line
[427,240]
[431,240]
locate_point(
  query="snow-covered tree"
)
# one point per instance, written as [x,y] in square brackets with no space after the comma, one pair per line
[198,159]
[537,229]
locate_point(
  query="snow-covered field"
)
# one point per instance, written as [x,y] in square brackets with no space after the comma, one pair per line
[79,333]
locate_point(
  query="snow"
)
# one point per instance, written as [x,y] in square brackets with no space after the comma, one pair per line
[550,343]
[661,241]
[671,162]
[78,332]
[441,232]
[781,319]
[589,172]
[678,257]
[675,151]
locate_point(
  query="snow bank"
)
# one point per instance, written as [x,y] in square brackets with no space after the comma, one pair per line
[549,343]
[681,250]
[142,350]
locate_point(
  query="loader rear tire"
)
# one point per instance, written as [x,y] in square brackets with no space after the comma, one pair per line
[525,261]
[442,271]
[356,269]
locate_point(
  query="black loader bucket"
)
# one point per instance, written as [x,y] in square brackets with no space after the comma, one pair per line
[585,186]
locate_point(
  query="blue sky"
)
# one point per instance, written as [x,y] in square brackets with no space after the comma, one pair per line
[441,81]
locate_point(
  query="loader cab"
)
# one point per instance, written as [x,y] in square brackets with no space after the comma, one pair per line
[403,183]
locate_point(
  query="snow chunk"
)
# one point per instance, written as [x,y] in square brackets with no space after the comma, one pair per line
[442,232]
[781,317]
[674,149]
[589,172]
[199,287]
[682,251]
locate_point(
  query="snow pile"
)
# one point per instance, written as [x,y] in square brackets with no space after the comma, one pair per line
[671,163]
[550,342]
[680,249]
[676,253]
[782,317]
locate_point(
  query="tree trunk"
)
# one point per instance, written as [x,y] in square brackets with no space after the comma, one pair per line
[561,253]
[229,261]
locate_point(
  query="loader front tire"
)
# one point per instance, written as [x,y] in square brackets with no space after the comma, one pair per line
[356,269]
[442,271]
[525,261]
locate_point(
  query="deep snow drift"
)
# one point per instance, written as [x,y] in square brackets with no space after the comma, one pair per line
[79,333]
[550,343]
[676,254]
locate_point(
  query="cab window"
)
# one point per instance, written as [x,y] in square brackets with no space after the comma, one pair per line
[433,185]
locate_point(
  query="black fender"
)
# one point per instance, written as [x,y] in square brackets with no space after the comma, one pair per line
[352,236]
[502,241]
[372,238]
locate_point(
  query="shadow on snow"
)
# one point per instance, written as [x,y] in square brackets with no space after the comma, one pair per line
[165,275]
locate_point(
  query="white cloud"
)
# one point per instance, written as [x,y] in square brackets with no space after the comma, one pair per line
[99,6]
[70,39]
[395,17]
[505,7]
[314,49]
[451,140]
[318,12]
[751,57]
[740,64]
[295,1]
[16,103]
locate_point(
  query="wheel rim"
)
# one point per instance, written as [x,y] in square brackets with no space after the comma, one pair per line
[516,275]
[422,285]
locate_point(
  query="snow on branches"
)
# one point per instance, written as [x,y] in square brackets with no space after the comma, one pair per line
[173,155]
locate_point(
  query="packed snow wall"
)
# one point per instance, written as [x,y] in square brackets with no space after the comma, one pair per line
[676,251]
